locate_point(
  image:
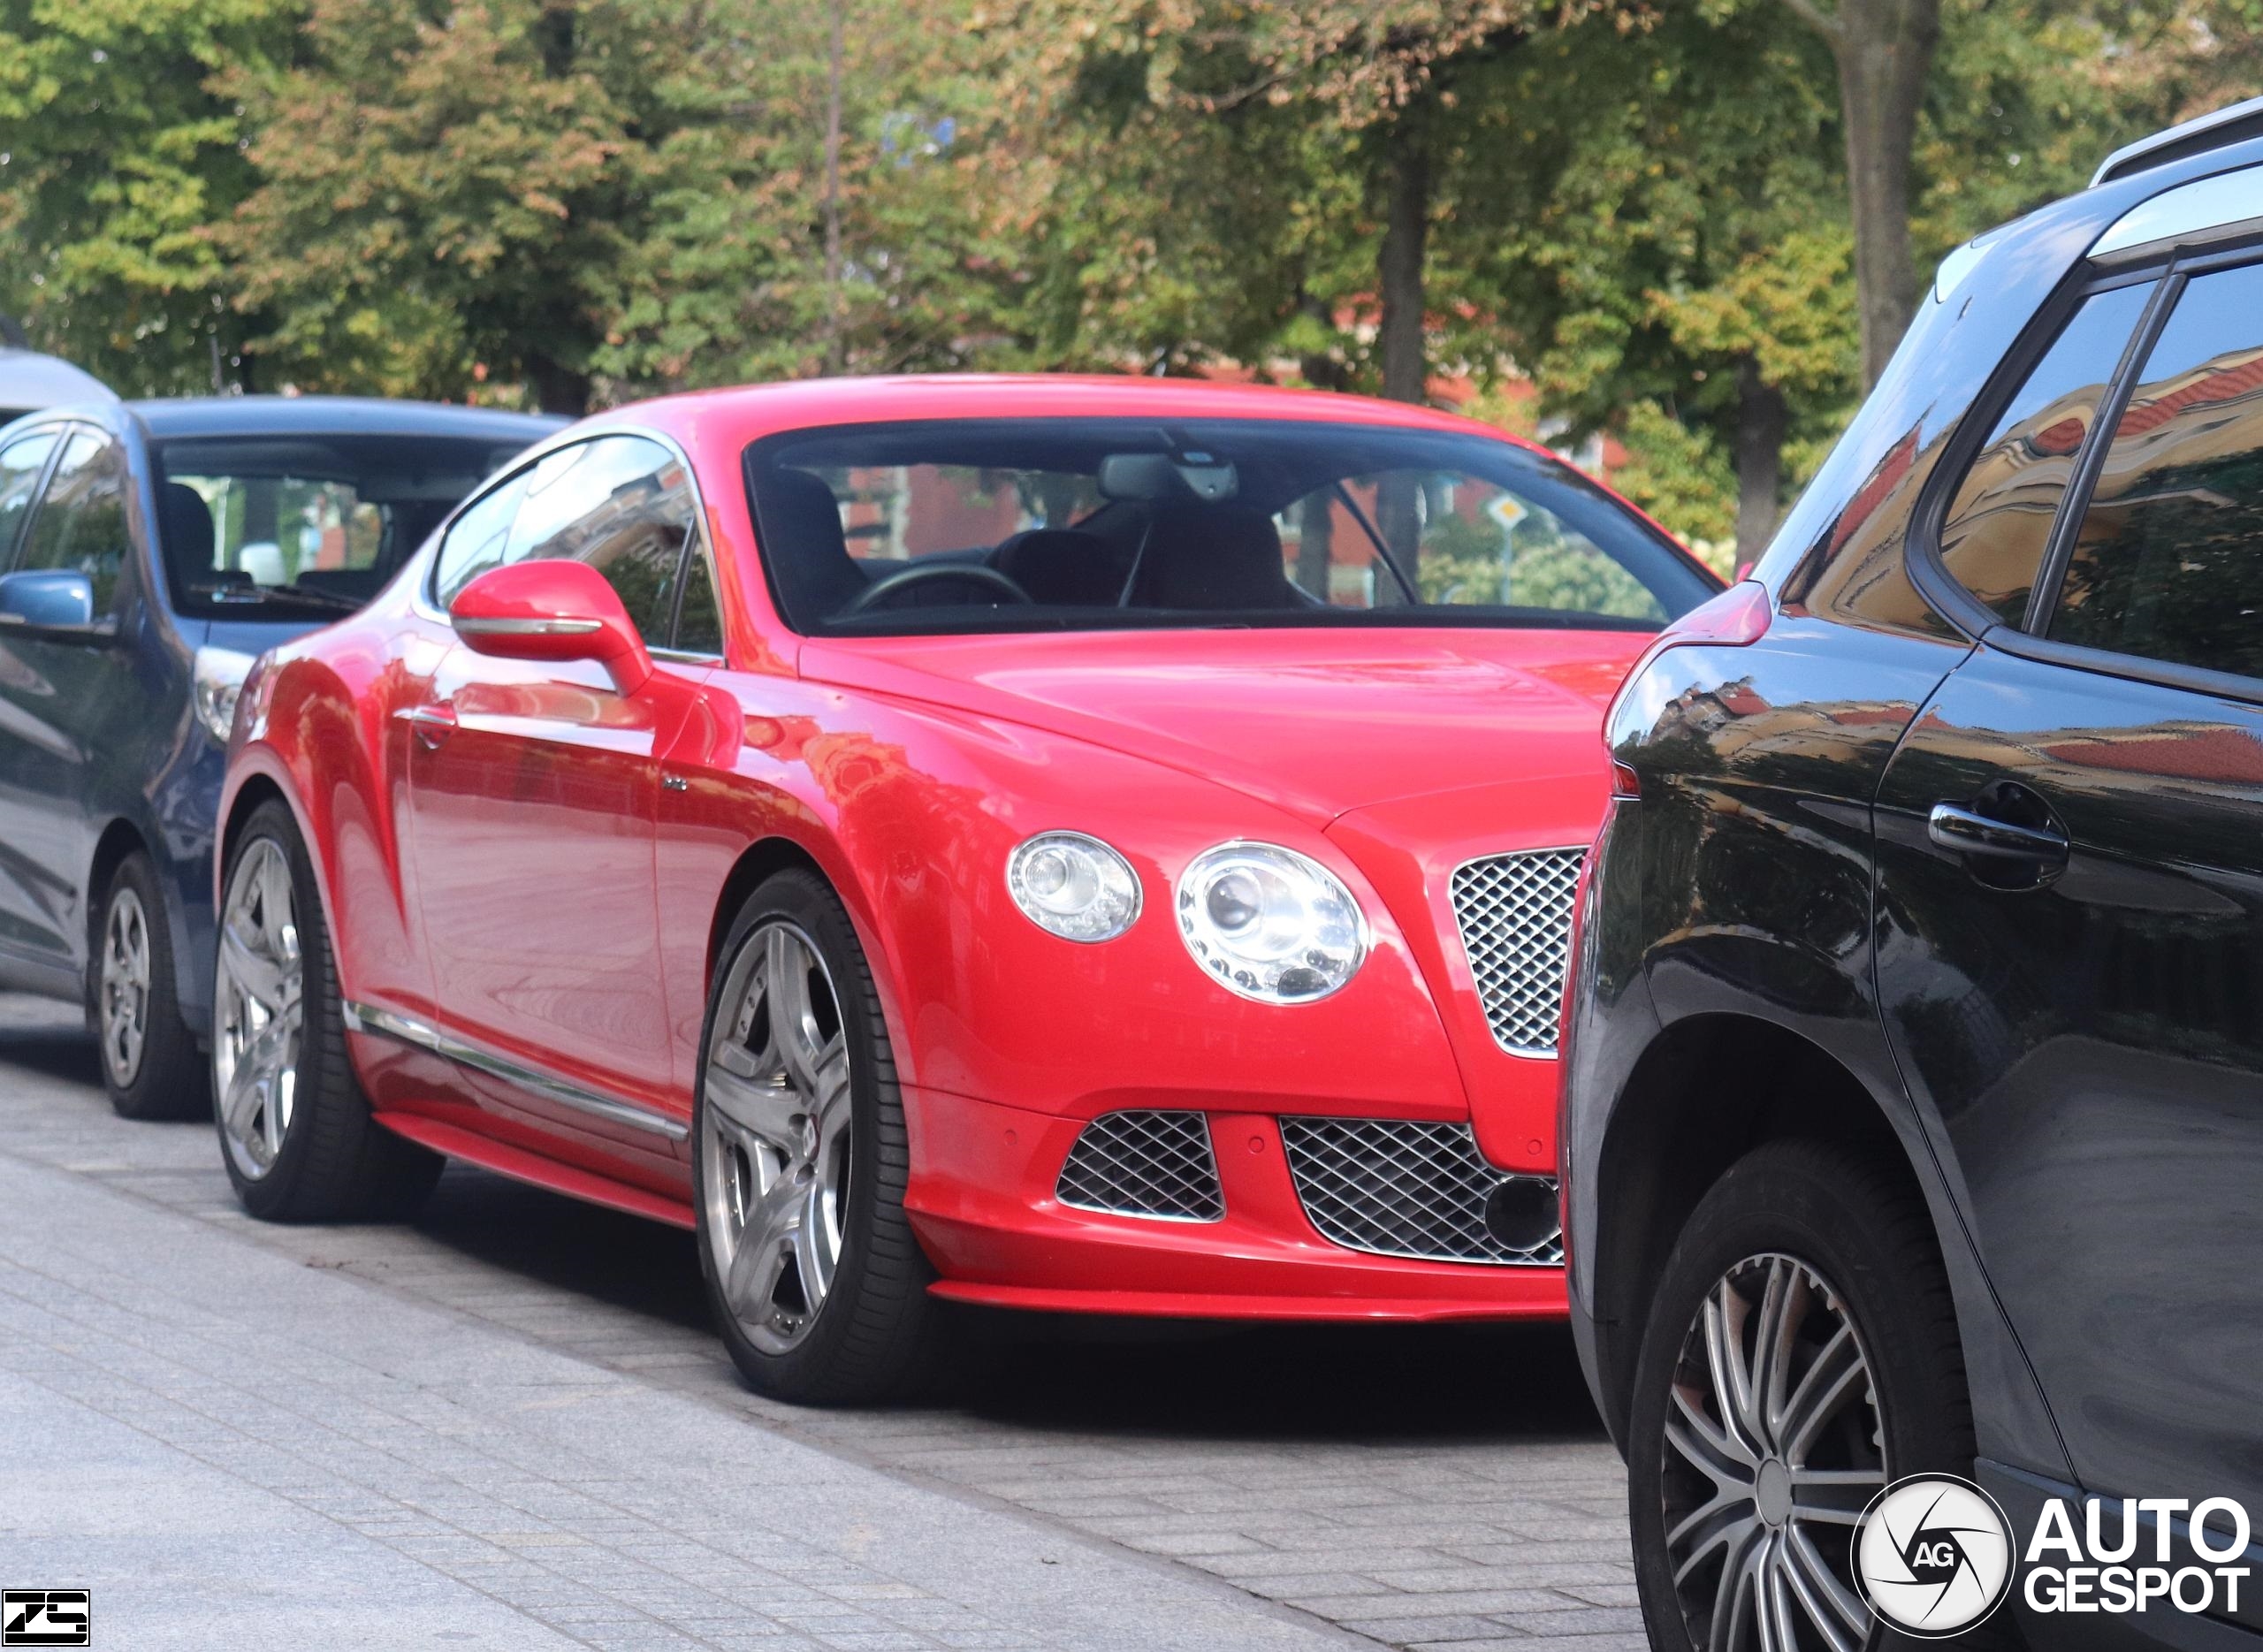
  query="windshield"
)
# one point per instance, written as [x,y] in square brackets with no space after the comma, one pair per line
[255,527]
[999,525]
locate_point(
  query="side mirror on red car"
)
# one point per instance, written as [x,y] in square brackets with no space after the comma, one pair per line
[552,610]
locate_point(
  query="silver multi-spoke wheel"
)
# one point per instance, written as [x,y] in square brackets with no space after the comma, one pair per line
[259,1015]
[776,1157]
[1773,1447]
[126,969]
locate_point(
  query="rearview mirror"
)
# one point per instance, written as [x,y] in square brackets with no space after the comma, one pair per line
[1157,476]
[553,610]
[48,596]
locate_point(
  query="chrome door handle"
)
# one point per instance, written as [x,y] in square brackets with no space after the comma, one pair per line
[1966,831]
[431,724]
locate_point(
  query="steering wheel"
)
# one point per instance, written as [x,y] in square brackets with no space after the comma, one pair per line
[881,591]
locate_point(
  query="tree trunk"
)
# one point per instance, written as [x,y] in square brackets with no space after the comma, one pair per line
[1760,421]
[1884,50]
[558,388]
[1405,228]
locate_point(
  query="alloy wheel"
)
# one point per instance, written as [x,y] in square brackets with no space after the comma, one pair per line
[1773,1446]
[124,987]
[260,1013]
[777,1117]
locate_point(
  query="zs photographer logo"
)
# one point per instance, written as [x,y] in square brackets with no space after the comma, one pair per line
[45,1617]
[1933,1555]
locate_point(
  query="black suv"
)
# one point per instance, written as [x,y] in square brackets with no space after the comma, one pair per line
[1913,1068]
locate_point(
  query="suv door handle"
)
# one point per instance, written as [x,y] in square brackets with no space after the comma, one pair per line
[1966,831]
[431,724]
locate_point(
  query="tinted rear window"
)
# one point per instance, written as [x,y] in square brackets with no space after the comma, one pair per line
[260,528]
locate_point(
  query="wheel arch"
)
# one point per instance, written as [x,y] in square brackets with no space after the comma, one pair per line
[257,789]
[761,860]
[118,840]
[775,852]
[1707,1090]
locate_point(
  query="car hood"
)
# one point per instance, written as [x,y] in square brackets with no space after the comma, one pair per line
[1316,721]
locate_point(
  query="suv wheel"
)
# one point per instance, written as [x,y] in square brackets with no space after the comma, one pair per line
[801,1160]
[150,1064]
[1801,1354]
[296,1132]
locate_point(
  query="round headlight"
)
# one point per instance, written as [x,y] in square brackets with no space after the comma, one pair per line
[1075,887]
[1270,924]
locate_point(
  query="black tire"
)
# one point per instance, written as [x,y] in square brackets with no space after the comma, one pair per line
[335,1163]
[1860,1235]
[155,1071]
[877,1335]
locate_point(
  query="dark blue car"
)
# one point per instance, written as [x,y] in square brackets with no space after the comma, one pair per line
[149,552]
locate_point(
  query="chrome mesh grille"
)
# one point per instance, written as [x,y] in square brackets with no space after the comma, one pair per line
[1515,912]
[1398,1188]
[1145,1164]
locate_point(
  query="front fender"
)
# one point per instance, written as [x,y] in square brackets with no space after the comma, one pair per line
[912,810]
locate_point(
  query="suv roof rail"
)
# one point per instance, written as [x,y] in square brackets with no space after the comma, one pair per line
[2229,125]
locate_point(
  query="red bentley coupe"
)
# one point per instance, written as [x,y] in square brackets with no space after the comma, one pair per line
[1054,843]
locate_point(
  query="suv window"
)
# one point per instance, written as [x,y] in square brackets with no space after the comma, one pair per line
[20,464]
[1997,527]
[81,523]
[2169,562]
[621,504]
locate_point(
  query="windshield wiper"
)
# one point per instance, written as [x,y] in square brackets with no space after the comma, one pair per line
[261,596]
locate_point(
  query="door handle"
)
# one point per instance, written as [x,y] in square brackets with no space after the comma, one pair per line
[431,724]
[1967,832]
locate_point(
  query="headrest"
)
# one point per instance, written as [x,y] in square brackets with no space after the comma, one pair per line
[798,521]
[1213,557]
[1062,565]
[185,528]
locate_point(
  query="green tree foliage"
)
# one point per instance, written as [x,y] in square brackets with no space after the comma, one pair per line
[1643,209]
[442,191]
[117,153]
[727,282]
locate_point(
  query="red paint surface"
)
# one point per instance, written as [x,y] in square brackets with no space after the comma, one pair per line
[514,872]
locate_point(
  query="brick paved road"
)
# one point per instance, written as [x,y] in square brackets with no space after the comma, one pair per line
[507,1425]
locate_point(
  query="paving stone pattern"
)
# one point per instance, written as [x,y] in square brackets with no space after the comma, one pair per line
[507,1424]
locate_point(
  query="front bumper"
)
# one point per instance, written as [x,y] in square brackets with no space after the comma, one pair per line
[982,1200]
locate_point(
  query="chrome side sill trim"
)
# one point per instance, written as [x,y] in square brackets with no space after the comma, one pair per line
[409,1030]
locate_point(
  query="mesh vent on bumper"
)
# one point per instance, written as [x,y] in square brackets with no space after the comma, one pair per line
[1152,1164]
[1515,912]
[1395,1187]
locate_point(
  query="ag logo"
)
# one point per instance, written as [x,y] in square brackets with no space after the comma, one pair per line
[1933,1555]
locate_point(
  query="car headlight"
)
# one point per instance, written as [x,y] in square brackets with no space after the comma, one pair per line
[1075,887]
[1270,924]
[219,676]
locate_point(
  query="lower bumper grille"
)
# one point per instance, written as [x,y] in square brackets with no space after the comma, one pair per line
[1395,1187]
[1154,1164]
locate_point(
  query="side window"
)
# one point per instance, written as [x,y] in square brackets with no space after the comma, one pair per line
[2168,561]
[1997,527]
[20,464]
[622,505]
[699,620]
[475,540]
[81,523]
